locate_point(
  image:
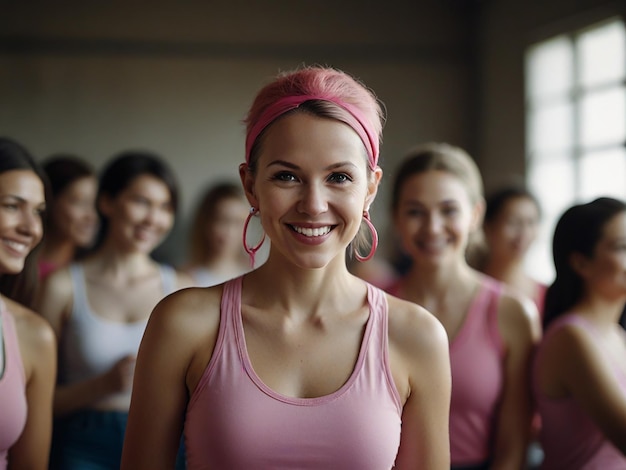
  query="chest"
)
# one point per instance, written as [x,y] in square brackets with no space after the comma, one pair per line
[306,362]
[124,303]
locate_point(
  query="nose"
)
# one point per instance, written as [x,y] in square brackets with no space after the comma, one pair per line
[31,224]
[435,223]
[313,200]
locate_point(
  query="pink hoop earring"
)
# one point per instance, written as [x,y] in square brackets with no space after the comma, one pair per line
[251,250]
[374,233]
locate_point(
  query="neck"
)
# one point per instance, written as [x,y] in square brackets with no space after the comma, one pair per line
[431,286]
[278,287]
[505,270]
[57,251]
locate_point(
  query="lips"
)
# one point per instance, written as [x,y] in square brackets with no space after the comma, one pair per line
[20,248]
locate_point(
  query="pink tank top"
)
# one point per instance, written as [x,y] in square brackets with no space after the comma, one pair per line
[477,362]
[570,439]
[235,421]
[13,405]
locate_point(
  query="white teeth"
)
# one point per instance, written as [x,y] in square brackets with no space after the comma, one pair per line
[312,232]
[16,245]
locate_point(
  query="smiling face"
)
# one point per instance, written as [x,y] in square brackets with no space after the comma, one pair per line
[514,229]
[141,215]
[22,203]
[74,211]
[434,218]
[311,187]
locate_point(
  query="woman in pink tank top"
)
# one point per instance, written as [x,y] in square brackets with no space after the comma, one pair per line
[296,365]
[437,206]
[27,345]
[511,225]
[579,374]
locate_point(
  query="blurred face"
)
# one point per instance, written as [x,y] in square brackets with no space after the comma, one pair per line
[74,212]
[434,218]
[223,230]
[141,215]
[311,188]
[22,203]
[605,272]
[513,231]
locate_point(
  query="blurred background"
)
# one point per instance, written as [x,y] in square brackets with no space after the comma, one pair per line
[534,89]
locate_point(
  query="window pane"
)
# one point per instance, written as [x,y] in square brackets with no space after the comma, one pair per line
[603,174]
[549,69]
[550,128]
[553,183]
[603,117]
[602,54]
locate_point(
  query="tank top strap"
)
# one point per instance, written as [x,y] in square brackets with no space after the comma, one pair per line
[12,355]
[168,278]
[378,348]
[494,289]
[230,306]
[483,314]
[79,290]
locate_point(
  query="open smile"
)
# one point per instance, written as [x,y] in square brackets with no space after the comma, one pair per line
[312,231]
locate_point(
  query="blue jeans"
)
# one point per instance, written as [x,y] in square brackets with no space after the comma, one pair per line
[92,440]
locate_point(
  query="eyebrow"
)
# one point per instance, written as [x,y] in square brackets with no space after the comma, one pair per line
[19,199]
[296,167]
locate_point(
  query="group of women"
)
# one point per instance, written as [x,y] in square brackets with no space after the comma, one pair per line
[299,363]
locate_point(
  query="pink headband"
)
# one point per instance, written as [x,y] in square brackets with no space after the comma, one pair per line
[283,105]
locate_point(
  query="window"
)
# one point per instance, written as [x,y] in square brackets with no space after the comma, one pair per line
[576,125]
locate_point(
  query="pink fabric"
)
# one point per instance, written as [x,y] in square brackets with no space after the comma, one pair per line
[46,268]
[476,359]
[288,103]
[477,362]
[569,438]
[235,421]
[13,404]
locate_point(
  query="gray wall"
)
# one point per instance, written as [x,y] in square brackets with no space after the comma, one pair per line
[94,78]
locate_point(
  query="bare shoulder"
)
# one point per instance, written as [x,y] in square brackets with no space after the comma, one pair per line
[33,331]
[413,329]
[188,311]
[59,282]
[518,316]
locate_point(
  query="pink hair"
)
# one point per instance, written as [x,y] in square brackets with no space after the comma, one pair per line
[353,102]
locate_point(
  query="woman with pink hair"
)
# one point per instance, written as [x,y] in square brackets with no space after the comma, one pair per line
[297,364]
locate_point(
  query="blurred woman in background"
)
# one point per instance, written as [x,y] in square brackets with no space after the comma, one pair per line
[216,253]
[437,205]
[72,219]
[99,308]
[510,227]
[579,374]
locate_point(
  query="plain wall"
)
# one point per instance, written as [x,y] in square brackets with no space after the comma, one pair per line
[178,78]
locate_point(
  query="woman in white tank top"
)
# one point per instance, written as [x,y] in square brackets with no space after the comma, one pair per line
[99,308]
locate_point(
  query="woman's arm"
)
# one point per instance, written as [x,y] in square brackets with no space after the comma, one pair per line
[519,326]
[174,352]
[38,350]
[586,373]
[419,350]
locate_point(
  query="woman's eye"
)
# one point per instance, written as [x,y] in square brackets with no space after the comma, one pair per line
[339,178]
[11,207]
[284,176]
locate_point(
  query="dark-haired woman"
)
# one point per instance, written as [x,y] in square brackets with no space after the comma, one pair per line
[72,219]
[27,345]
[579,375]
[511,224]
[99,308]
